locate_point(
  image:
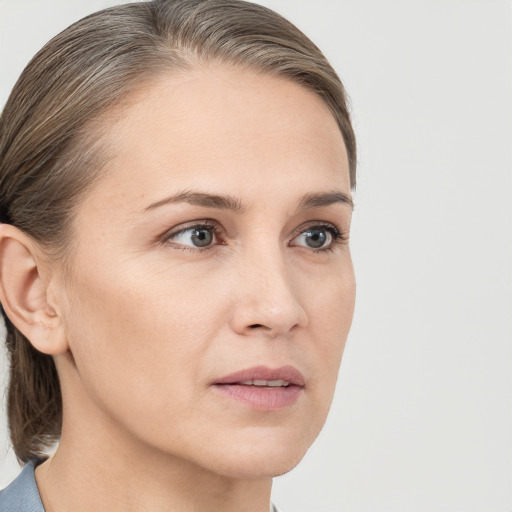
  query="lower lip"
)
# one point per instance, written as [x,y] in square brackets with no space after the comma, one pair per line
[260,397]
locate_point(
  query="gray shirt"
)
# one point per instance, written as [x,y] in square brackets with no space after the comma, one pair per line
[22,494]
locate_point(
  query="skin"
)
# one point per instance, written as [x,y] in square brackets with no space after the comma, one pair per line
[142,322]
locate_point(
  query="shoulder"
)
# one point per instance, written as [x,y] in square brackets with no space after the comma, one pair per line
[22,494]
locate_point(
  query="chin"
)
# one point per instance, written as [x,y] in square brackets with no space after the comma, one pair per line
[268,467]
[258,451]
[260,460]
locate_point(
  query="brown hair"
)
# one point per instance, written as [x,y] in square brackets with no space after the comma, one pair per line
[49,156]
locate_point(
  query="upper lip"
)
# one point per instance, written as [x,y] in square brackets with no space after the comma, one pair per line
[286,373]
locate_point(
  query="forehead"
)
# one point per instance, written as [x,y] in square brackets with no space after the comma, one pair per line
[221,125]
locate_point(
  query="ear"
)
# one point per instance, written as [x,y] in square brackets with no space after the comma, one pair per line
[24,292]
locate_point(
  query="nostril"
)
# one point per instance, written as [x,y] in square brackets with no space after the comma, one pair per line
[253,326]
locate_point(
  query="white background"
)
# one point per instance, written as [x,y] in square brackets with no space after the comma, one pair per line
[422,419]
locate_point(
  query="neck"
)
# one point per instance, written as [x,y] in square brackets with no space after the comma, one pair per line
[82,480]
[100,466]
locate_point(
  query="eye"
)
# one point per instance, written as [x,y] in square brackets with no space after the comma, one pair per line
[321,237]
[200,236]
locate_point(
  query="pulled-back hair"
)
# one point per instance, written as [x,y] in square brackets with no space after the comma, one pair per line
[51,124]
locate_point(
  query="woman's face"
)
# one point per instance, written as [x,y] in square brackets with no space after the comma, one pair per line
[211,255]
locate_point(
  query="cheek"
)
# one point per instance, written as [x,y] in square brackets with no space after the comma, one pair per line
[330,300]
[136,342]
[331,310]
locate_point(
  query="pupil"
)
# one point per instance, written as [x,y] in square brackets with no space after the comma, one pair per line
[202,237]
[316,238]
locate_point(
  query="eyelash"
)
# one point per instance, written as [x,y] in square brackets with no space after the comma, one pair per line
[208,224]
[338,237]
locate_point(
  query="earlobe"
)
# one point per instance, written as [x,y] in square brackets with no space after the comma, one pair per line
[23,292]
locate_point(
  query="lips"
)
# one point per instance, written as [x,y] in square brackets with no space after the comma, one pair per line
[288,374]
[263,388]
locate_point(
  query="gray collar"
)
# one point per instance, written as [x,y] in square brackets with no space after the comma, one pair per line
[22,494]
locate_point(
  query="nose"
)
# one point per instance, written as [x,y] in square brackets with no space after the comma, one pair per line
[265,302]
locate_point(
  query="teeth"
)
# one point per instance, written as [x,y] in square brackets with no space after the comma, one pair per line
[277,383]
[267,383]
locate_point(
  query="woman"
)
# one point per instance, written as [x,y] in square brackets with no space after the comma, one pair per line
[174,263]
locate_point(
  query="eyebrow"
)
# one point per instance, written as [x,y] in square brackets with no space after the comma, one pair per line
[227,202]
[318,200]
[201,199]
